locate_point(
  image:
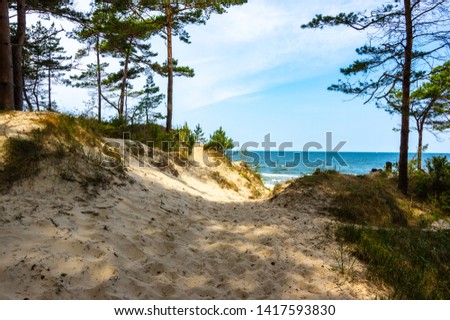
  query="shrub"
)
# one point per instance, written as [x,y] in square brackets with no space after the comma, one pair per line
[199,134]
[186,139]
[439,171]
[219,141]
[433,185]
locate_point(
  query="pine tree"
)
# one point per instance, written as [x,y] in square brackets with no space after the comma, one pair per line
[429,105]
[150,100]
[172,19]
[122,35]
[91,78]
[199,134]
[405,37]
[6,63]
[59,8]
[17,54]
[88,33]
[45,64]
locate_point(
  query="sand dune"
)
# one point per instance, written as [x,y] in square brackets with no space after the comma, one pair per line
[150,235]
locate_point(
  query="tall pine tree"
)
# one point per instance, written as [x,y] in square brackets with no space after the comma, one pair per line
[172,19]
[45,64]
[118,31]
[405,37]
[6,63]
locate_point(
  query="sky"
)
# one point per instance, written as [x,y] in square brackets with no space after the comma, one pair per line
[259,73]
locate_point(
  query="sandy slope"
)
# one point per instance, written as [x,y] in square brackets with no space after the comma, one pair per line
[156,236]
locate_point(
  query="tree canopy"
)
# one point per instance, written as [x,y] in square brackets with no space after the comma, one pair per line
[405,38]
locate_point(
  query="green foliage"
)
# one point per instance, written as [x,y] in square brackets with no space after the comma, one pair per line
[186,140]
[381,231]
[429,104]
[60,135]
[87,78]
[57,8]
[171,19]
[219,141]
[44,64]
[402,47]
[433,185]
[199,134]
[438,92]
[415,263]
[178,71]
[439,171]
[368,201]
[254,179]
[124,34]
[144,112]
[223,182]
[381,64]
[178,15]
[181,140]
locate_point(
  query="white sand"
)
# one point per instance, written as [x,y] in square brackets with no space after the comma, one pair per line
[163,237]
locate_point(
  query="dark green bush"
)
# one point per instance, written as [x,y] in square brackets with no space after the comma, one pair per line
[433,185]
[185,139]
[439,171]
[219,141]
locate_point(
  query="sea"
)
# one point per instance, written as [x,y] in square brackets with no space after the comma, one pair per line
[278,167]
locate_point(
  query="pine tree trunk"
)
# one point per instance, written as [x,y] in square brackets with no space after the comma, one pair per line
[169,70]
[419,147]
[35,90]
[99,78]
[6,63]
[36,97]
[17,52]
[123,86]
[27,100]
[406,88]
[49,76]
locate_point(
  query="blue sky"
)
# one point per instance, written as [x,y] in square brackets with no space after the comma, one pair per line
[257,72]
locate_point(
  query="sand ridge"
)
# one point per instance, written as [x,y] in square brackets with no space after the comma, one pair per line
[157,236]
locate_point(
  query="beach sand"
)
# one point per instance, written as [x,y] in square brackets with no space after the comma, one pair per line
[150,234]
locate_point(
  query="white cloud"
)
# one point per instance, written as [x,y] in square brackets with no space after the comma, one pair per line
[261,44]
[255,46]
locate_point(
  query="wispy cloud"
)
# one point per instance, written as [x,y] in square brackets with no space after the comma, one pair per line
[259,45]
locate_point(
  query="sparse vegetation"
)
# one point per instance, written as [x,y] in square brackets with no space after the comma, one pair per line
[255,183]
[21,160]
[59,136]
[277,188]
[252,181]
[366,200]
[180,140]
[414,262]
[345,261]
[383,228]
[223,182]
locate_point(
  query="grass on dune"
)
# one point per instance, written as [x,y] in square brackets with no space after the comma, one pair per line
[414,262]
[386,230]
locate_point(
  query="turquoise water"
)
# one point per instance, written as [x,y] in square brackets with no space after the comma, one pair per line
[277,167]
